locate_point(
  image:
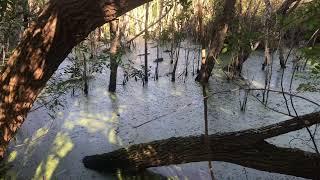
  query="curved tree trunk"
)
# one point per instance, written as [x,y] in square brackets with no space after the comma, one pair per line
[246,148]
[45,44]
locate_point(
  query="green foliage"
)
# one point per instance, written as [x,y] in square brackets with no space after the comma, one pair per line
[310,87]
[225,49]
[133,72]
[186,4]
[6,6]
[311,15]
[186,12]
[244,32]
[312,55]
[305,17]
[311,81]
[11,22]
[181,18]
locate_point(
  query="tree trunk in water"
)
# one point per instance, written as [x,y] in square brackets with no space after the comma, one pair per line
[173,75]
[115,44]
[160,31]
[85,77]
[237,64]
[268,25]
[281,55]
[43,47]
[221,26]
[246,148]
[146,44]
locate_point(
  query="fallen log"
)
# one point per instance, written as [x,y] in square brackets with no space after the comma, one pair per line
[246,148]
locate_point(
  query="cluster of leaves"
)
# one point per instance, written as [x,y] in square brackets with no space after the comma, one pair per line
[52,97]
[7,8]
[11,23]
[305,17]
[310,87]
[245,30]
[70,78]
[181,18]
[312,16]
[311,82]
[312,55]
[133,72]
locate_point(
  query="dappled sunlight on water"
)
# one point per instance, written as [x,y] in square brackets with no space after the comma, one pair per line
[61,146]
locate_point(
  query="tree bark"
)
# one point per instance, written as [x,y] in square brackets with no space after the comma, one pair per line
[115,44]
[246,148]
[44,45]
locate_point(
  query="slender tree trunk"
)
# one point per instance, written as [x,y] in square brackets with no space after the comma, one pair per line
[3,55]
[160,31]
[175,65]
[242,56]
[115,44]
[43,47]
[172,51]
[187,62]
[85,76]
[268,24]
[157,65]
[281,55]
[146,44]
[246,148]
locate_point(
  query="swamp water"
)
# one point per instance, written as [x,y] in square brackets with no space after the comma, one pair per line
[47,148]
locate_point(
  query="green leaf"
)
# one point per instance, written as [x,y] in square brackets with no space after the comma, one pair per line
[224,50]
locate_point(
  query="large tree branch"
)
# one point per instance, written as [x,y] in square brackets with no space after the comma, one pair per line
[246,148]
[44,46]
